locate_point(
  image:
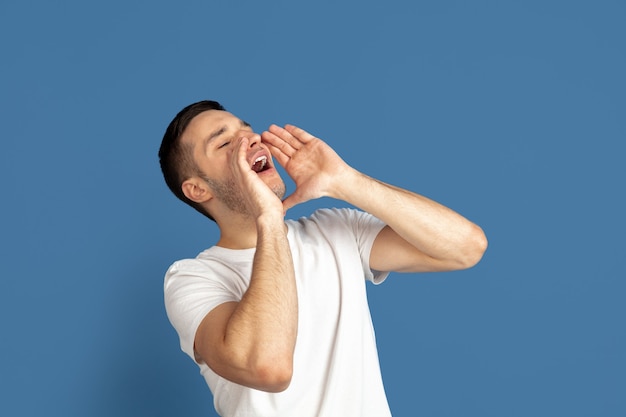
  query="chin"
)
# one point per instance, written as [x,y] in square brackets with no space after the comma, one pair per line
[279,190]
[276,184]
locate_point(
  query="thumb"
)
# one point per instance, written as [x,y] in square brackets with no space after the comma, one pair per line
[292,200]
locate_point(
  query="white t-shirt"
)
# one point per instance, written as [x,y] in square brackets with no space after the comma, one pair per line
[336,370]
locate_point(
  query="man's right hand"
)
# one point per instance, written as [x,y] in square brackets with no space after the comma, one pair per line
[258,197]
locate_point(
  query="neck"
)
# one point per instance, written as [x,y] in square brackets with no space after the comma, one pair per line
[239,232]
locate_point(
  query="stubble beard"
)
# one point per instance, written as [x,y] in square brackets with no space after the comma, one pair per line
[232,196]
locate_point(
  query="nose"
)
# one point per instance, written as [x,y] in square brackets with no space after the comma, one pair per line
[254,139]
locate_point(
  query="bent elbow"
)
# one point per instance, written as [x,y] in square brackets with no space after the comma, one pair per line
[274,376]
[475,248]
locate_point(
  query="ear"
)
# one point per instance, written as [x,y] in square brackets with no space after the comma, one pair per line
[196,190]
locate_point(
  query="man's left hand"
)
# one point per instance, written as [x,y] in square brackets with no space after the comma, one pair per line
[313,165]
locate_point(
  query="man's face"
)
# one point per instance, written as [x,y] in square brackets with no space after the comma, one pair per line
[212,136]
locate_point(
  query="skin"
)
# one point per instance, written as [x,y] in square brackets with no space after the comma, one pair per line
[252,342]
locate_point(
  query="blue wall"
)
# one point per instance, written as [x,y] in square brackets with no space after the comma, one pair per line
[510,112]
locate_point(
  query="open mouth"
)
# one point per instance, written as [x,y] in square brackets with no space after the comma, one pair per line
[260,164]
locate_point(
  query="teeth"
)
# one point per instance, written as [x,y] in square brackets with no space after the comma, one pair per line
[259,163]
[262,159]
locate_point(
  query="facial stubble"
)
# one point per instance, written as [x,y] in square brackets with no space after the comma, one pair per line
[232,196]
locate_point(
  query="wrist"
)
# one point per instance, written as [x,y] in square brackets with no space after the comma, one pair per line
[347,184]
[270,221]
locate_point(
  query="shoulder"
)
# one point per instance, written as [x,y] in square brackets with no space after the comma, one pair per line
[214,264]
[194,266]
[208,280]
[322,221]
[352,218]
[334,215]
[211,258]
[338,224]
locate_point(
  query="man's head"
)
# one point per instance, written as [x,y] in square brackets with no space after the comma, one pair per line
[176,157]
[195,157]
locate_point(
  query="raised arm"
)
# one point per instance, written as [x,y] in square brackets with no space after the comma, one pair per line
[421,235]
[252,342]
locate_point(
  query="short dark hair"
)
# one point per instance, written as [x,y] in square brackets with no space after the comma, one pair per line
[176,158]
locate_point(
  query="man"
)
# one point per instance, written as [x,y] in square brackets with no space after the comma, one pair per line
[275,314]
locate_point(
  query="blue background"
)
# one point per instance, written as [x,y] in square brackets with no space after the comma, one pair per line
[510,112]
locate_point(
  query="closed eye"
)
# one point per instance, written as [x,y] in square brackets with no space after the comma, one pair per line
[223,145]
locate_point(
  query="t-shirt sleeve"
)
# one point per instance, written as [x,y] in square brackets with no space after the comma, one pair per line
[191,291]
[365,228]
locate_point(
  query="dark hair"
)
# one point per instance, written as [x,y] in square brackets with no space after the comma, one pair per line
[176,158]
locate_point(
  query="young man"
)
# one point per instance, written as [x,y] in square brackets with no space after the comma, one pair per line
[275,314]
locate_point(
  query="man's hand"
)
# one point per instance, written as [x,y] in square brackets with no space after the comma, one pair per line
[313,165]
[256,195]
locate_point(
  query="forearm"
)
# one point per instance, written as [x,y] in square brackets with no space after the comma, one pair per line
[262,330]
[430,227]
[424,235]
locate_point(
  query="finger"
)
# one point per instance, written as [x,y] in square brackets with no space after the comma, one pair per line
[287,204]
[292,201]
[278,142]
[300,134]
[286,136]
[241,166]
[241,153]
[279,155]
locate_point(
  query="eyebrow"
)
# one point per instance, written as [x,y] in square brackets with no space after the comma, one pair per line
[221,131]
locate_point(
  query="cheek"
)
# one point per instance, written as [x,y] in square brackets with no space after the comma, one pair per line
[227,157]
[216,166]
